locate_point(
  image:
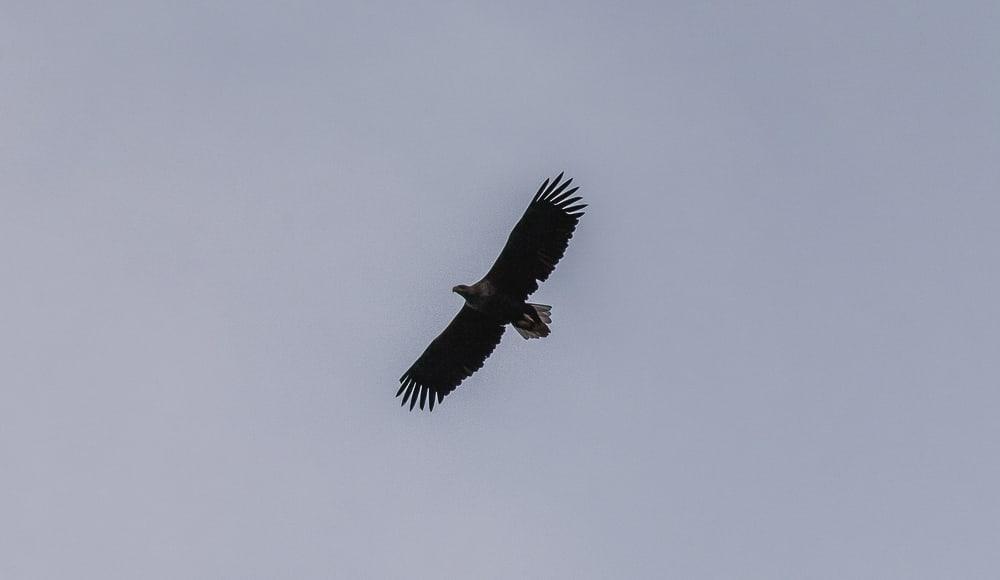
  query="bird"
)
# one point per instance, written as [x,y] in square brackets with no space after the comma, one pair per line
[534,247]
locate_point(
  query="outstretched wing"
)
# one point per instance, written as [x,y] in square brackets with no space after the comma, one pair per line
[456,353]
[538,240]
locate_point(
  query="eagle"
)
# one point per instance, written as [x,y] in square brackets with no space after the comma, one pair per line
[533,249]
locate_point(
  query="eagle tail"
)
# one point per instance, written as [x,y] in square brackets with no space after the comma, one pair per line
[534,326]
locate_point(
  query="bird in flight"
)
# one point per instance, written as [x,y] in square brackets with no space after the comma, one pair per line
[533,248]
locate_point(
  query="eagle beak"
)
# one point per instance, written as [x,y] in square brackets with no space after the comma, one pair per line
[455,289]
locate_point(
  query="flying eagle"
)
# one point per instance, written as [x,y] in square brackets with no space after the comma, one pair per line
[534,247]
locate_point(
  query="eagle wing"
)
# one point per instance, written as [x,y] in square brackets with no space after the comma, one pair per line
[455,354]
[538,241]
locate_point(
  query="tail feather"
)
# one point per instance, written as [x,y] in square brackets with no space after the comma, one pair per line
[529,327]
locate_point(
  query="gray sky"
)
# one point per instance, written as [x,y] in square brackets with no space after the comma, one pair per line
[226,229]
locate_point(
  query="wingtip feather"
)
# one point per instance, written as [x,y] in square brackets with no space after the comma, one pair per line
[557,193]
[541,189]
[555,183]
[565,199]
[409,391]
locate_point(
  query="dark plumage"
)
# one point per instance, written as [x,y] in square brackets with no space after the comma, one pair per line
[532,251]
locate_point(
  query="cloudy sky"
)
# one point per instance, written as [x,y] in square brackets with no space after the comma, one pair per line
[227,228]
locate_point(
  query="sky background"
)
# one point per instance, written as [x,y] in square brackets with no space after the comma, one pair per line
[227,228]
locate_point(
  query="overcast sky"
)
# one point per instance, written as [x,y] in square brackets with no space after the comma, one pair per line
[226,229]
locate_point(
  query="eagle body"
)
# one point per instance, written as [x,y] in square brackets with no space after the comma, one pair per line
[483,296]
[532,250]
[529,319]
